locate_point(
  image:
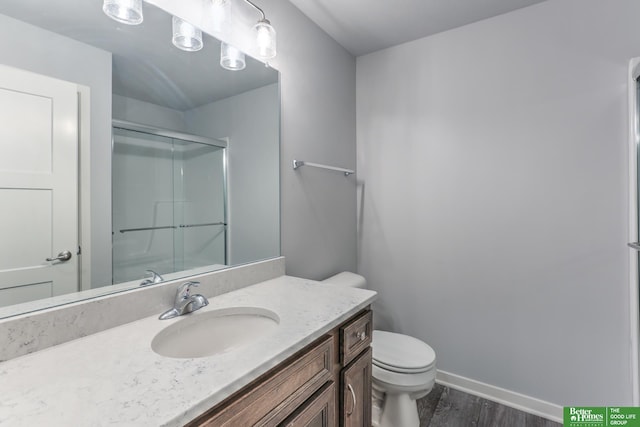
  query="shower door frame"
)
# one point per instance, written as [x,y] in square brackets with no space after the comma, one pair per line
[216,142]
[634,294]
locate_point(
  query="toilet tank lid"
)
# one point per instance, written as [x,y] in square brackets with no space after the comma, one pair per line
[347,278]
[401,351]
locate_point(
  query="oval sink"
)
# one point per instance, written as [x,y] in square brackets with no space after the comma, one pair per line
[214,332]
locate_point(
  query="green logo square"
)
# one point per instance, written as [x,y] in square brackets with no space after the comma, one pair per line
[589,416]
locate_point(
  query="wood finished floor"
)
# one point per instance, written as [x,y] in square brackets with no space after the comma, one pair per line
[447,407]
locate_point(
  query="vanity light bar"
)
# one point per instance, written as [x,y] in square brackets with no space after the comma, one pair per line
[187,37]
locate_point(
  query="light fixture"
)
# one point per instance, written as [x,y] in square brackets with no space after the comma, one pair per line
[221,15]
[124,11]
[231,58]
[265,35]
[186,36]
[265,39]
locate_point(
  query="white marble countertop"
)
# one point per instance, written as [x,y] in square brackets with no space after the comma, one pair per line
[114,378]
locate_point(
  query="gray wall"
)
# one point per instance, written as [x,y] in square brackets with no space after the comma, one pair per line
[318,125]
[494,210]
[56,56]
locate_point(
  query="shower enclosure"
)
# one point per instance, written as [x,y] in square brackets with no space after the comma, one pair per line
[169,202]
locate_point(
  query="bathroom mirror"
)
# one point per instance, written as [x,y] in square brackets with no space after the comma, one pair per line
[167,130]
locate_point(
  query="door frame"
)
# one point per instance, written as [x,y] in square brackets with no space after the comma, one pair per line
[84,187]
[634,306]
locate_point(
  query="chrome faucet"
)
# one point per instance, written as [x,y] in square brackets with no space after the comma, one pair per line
[155,278]
[185,302]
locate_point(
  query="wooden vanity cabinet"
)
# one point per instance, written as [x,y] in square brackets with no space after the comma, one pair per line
[326,384]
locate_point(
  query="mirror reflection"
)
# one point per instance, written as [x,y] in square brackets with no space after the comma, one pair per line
[169,202]
[122,155]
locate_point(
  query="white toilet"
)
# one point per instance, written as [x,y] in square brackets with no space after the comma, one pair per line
[404,369]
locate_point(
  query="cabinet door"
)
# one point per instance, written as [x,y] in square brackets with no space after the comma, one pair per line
[355,402]
[318,411]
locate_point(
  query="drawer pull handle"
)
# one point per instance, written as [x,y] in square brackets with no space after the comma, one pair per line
[353,394]
[362,335]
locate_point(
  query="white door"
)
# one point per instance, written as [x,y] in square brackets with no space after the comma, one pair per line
[38,186]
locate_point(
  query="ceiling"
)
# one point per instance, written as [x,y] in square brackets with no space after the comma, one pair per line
[364,26]
[146,66]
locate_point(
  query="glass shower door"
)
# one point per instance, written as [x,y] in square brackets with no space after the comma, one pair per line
[199,205]
[142,198]
[169,205]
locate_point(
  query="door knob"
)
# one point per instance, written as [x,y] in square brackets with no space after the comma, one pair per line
[62,256]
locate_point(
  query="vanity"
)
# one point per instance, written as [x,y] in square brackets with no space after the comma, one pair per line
[328,383]
[313,368]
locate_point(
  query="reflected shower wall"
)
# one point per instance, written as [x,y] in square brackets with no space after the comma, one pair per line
[169,202]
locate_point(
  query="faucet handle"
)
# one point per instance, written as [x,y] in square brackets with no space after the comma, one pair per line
[183,290]
[155,277]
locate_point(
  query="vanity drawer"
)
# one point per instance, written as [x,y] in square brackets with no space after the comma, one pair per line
[355,337]
[273,398]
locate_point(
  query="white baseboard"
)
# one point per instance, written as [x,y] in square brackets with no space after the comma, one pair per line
[505,397]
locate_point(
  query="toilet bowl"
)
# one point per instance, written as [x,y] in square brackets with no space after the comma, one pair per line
[404,370]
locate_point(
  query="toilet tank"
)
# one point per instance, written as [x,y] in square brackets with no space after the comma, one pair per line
[347,278]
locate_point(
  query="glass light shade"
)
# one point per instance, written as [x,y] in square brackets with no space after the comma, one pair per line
[124,11]
[186,36]
[220,15]
[231,58]
[265,39]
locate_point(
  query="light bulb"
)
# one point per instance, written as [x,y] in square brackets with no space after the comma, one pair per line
[265,39]
[231,58]
[220,15]
[186,36]
[124,11]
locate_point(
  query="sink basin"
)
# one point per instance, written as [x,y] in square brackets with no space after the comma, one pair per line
[214,332]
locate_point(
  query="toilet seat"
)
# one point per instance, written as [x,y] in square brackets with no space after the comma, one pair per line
[401,353]
[403,382]
[401,370]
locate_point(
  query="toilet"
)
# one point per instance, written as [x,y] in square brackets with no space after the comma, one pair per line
[404,370]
